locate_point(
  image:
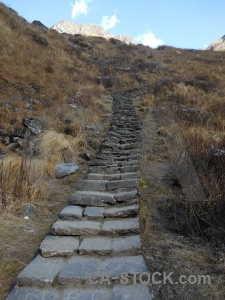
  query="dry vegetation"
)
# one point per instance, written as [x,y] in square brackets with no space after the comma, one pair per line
[63,78]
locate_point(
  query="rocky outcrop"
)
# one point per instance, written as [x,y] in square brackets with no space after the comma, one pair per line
[89,30]
[218,45]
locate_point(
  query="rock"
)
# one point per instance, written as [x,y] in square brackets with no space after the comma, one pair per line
[35,125]
[2,153]
[131,292]
[85,156]
[79,269]
[71,212]
[6,140]
[39,24]
[3,132]
[92,198]
[59,246]
[94,212]
[21,293]
[120,227]
[19,132]
[28,106]
[65,169]
[29,211]
[76,227]
[39,40]
[40,272]
[104,245]
[36,87]
[121,212]
[13,146]
[8,105]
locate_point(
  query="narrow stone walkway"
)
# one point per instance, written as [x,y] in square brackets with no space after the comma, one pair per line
[94,249]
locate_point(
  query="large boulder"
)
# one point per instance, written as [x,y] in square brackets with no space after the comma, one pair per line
[65,169]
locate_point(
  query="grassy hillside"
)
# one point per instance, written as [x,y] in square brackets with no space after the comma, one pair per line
[63,80]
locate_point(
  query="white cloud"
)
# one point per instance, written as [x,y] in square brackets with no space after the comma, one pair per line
[108,23]
[149,39]
[80,7]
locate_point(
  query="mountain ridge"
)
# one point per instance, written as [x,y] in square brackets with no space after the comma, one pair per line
[218,45]
[69,27]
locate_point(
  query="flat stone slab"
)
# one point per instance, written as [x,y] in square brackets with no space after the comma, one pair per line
[92,198]
[89,294]
[71,212]
[102,245]
[122,212]
[21,293]
[76,227]
[131,292]
[120,184]
[126,196]
[40,272]
[82,270]
[118,227]
[92,185]
[94,213]
[59,246]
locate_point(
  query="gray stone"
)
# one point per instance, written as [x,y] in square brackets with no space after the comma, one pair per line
[35,125]
[130,169]
[92,198]
[114,227]
[76,227]
[102,245]
[129,175]
[8,105]
[65,169]
[99,245]
[118,184]
[71,212]
[94,212]
[21,293]
[59,246]
[131,292]
[122,212]
[126,196]
[40,272]
[90,294]
[95,176]
[29,211]
[93,185]
[83,269]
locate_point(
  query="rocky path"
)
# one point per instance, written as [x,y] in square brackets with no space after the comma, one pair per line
[94,249]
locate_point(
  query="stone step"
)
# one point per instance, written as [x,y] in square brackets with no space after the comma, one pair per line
[80,270]
[55,246]
[96,292]
[104,185]
[98,213]
[76,227]
[98,198]
[59,246]
[130,245]
[111,227]
[102,176]
[92,198]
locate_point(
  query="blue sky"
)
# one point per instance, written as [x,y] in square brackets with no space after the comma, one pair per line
[179,23]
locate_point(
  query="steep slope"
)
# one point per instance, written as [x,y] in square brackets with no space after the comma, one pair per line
[218,45]
[89,30]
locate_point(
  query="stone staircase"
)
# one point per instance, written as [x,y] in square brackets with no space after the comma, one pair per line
[94,249]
